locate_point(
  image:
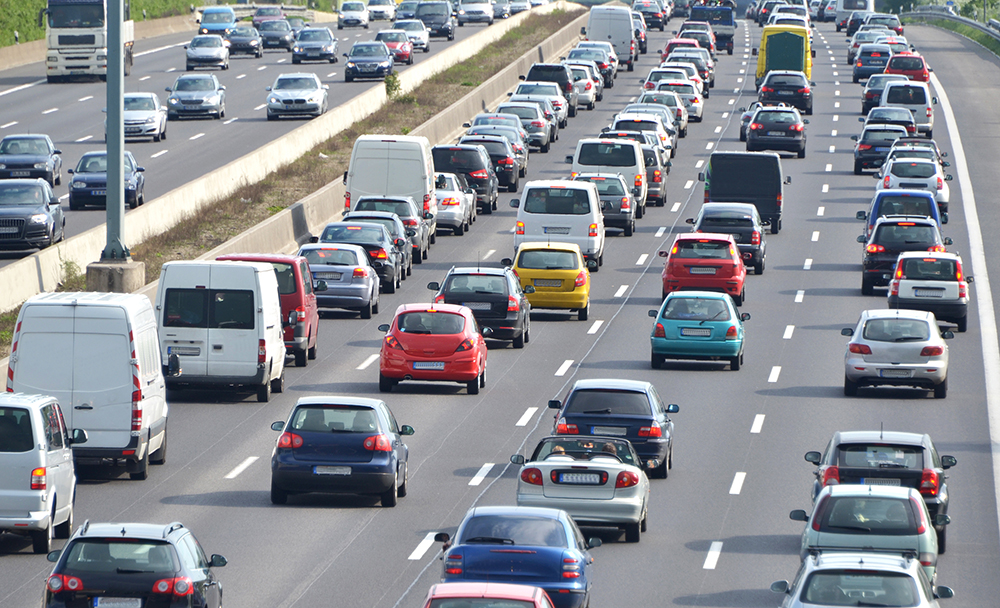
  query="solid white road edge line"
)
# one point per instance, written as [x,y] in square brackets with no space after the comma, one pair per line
[758,423]
[737,483]
[241,467]
[713,555]
[528,413]
[481,474]
[422,547]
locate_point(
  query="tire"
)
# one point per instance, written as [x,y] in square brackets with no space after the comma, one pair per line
[631,66]
[390,287]
[390,498]
[941,390]
[775,226]
[867,288]
[401,492]
[850,387]
[296,61]
[418,257]
[487,209]
[738,300]
[759,268]
[629,228]
[65,529]
[385,384]
[41,540]
[264,392]
[300,358]
[142,469]
[546,147]
[156,137]
[802,152]
[572,111]
[278,496]
[425,252]
[312,351]
[640,211]
[459,230]
[513,187]
[856,79]
[472,386]
[743,135]
[656,361]
[942,537]
[518,341]
[482,378]
[273,117]
[963,324]
[736,362]
[930,134]
[857,168]
[661,471]
[366,310]
[583,313]
[278,384]
[348,78]
[590,106]
[159,457]
[632,533]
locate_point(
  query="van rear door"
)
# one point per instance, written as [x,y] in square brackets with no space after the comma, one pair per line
[233,331]
[43,361]
[19,457]
[102,376]
[184,319]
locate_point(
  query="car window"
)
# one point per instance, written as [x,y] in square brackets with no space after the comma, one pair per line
[914,170]
[480,284]
[111,556]
[701,249]
[896,330]
[531,531]
[608,401]
[866,515]
[906,95]
[906,205]
[331,257]
[904,234]
[306,277]
[557,200]
[726,219]
[777,118]
[16,434]
[212,308]
[684,89]
[12,195]
[880,455]
[389,223]
[460,159]
[584,449]
[426,322]
[880,135]
[496,148]
[52,428]
[521,111]
[606,186]
[353,6]
[842,587]
[696,309]
[542,259]
[286,278]
[334,419]
[607,154]
[929,269]
[139,103]
[363,235]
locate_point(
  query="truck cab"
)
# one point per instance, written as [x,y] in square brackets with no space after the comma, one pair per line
[76,36]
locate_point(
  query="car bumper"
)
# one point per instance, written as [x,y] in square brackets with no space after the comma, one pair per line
[294,109]
[86,199]
[456,369]
[616,511]
[695,348]
[799,102]
[730,286]
[353,22]
[349,297]
[444,30]
[24,173]
[276,42]
[364,478]
[866,71]
[944,311]
[247,49]
[26,522]
[450,217]
[30,237]
[297,344]
[194,110]
[419,43]
[314,56]
[871,161]
[790,144]
[142,130]
[925,375]
[132,452]
[560,300]
[475,18]
[206,62]
[210,381]
[359,73]
[538,138]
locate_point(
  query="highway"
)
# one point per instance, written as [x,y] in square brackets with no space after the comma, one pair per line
[719,532]
[71,113]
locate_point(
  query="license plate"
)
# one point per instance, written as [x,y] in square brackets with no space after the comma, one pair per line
[879,481]
[187,351]
[8,229]
[895,373]
[428,365]
[776,133]
[592,479]
[20,173]
[929,293]
[325,470]
[478,305]
[881,149]
[328,275]
[312,54]
[98,193]
[117,602]
[556,230]
[700,332]
[611,431]
[877,62]
[547,283]
[785,92]
[701,270]
[132,130]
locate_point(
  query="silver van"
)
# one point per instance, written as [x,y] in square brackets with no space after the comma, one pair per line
[915,97]
[37,477]
[564,211]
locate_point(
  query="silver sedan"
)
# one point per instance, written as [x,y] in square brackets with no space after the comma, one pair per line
[299,94]
[209,50]
[456,203]
[144,116]
[343,277]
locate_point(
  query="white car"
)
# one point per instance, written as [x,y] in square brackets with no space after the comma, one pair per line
[689,94]
[417,32]
[916,174]
[353,14]
[932,281]
[599,481]
[382,9]
[690,70]
[456,205]
[674,102]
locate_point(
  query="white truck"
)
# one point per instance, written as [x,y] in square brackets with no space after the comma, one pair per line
[76,34]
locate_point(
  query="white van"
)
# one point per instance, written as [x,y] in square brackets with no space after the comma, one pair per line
[596,155]
[614,24]
[391,165]
[846,7]
[223,320]
[565,211]
[915,97]
[37,477]
[98,355]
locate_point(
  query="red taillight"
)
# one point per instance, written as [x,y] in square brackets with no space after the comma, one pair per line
[627,479]
[940,183]
[300,314]
[767,89]
[588,86]
[873,248]
[754,126]
[932,351]
[392,342]
[581,279]
[637,182]
[137,410]
[261,352]
[289,440]
[625,204]
[859,349]
[651,431]
[929,112]
[937,249]
[894,288]
[532,476]
[864,147]
[798,128]
[887,181]
[564,428]
[427,203]
[805,90]
[380,254]
[820,510]
[480,174]
[755,238]
[679,112]
[732,333]
[519,228]
[61,582]
[571,567]
[464,346]
[450,202]
[859,63]
[922,526]
[506,161]
[347,201]
[657,177]
[378,443]
[658,332]
[650,84]
[593,230]
[38,479]
[178,586]
[930,483]
[538,123]
[568,86]
[602,66]
[512,304]
[453,564]
[410,221]
[360,273]
[911,129]
[831,476]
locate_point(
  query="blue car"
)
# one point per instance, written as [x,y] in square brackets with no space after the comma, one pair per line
[898,201]
[340,445]
[368,60]
[698,325]
[522,545]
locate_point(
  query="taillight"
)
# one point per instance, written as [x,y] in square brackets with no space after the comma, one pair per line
[538,123]
[859,63]
[347,201]
[568,86]
[61,582]
[932,351]
[512,304]
[453,564]
[506,161]
[755,238]
[409,221]
[136,410]
[564,428]
[874,248]
[894,288]
[653,430]
[261,352]
[519,228]
[767,89]
[922,526]
[588,86]
[581,279]
[532,476]
[571,567]
[911,129]
[657,176]
[658,332]
[930,483]
[290,440]
[378,443]
[798,128]
[602,66]
[593,230]
[929,112]
[450,202]
[754,126]
[300,314]
[679,112]
[937,249]
[178,586]
[464,346]
[859,349]
[427,203]
[864,147]
[887,181]
[940,183]
[380,254]
[38,479]
[820,510]
[650,85]
[831,476]
[732,333]
[480,174]
[392,342]
[805,90]
[360,273]
[627,479]
[625,204]
[638,180]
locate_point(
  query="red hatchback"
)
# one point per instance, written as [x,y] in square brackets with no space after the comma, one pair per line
[433,343]
[677,43]
[486,594]
[911,65]
[707,262]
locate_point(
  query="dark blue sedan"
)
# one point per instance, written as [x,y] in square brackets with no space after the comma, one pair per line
[368,60]
[340,445]
[522,545]
[89,186]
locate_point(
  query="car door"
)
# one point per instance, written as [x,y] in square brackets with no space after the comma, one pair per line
[309,297]
[197,567]
[400,448]
[58,458]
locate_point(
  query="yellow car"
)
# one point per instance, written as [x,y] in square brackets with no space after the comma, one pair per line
[554,275]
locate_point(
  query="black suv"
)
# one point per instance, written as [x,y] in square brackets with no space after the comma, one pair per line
[152,565]
[495,297]
[740,220]
[892,235]
[873,145]
[502,156]
[474,163]
[559,73]
[788,86]
[383,251]
[909,460]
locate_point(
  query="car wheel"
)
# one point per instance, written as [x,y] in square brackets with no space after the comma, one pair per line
[488,209]
[518,341]
[735,362]
[296,60]
[278,384]
[366,310]
[590,106]
[385,384]
[65,529]
[348,78]
[759,268]
[656,361]
[930,134]
[390,498]
[140,469]
[631,66]
[278,496]
[941,390]
[460,229]
[159,457]
[264,392]
[156,137]
[41,540]
[401,492]
[513,187]
[802,152]
[132,204]
[963,324]
[427,49]
[572,111]
[640,211]
[867,287]
[743,135]
[546,147]
[738,300]
[629,227]
[661,471]
[775,226]
[857,168]
[583,313]
[856,79]
[472,386]
[300,358]
[632,533]
[390,286]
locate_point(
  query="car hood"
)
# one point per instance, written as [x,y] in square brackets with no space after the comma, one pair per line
[368,59]
[296,92]
[138,115]
[276,33]
[21,159]
[13,211]
[193,94]
[207,52]
[241,39]
[434,19]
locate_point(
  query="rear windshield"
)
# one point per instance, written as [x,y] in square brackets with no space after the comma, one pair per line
[334,419]
[330,257]
[359,235]
[431,323]
[532,531]
[606,186]
[285,274]
[499,120]
[209,308]
[521,112]
[731,219]
[400,208]
[450,160]
[493,148]
[553,73]
[636,125]
[478,284]
[479,602]
[906,95]
[898,236]
[728,176]
[606,401]
[916,170]
[874,52]
[786,80]
[667,100]
[930,269]
[541,259]
[558,201]
[683,89]
[867,515]
[878,587]
[389,223]
[896,330]
[696,309]
[607,154]
[906,205]
[777,118]
[112,556]
[536,89]
[15,430]
[906,63]
[424,10]
[880,456]
[880,135]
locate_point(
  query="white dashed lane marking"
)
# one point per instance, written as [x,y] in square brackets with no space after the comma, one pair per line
[422,547]
[260,107]
[159,154]
[701,163]
[489,253]
[713,555]
[241,467]
[231,120]
[9,124]
[758,424]
[789,330]
[198,136]
[88,97]
[84,138]
[826,188]
[528,413]
[595,327]
[621,291]
[688,184]
[564,367]
[642,259]
[481,474]
[371,359]
[775,372]
[807,264]
[50,110]
[820,211]
[815,236]
[829,168]
[799,296]
[662,229]
[737,483]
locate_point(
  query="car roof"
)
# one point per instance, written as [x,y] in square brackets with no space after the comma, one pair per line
[902,192]
[930,254]
[334,246]
[893,219]
[24,400]
[127,530]
[559,245]
[702,236]
[489,270]
[560,183]
[388,197]
[872,491]
[350,215]
[483,590]
[899,313]
[429,307]
[612,384]
[881,436]
[865,560]
[517,512]
[260,257]
[338,400]
[747,208]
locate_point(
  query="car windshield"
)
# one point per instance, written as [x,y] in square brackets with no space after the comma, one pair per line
[407,6]
[410,26]
[391,37]
[205,42]
[241,32]
[898,236]
[608,401]
[269,12]
[125,556]
[23,145]
[557,200]
[896,330]
[607,154]
[605,186]
[880,456]
[726,219]
[530,88]
[548,259]
[480,284]
[93,164]
[844,587]
[432,10]
[496,120]
[584,449]
[879,135]
[702,249]
[367,50]
[400,208]
[194,84]
[358,234]
[295,84]
[914,170]
[520,111]
[427,322]
[217,17]
[696,309]
[785,80]
[521,530]
[683,89]
[352,7]
[324,418]
[929,269]
[330,256]
[314,35]
[866,515]
[275,25]
[15,430]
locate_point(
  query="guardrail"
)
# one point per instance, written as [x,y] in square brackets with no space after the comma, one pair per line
[247,10]
[990,31]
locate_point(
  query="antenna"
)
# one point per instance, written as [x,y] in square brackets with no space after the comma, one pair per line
[881,430]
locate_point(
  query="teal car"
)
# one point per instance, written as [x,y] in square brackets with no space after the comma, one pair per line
[699,325]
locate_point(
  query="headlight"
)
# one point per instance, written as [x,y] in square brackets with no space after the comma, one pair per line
[296,49]
[102,57]
[214,99]
[150,120]
[384,64]
[173,101]
[203,31]
[3,166]
[78,185]
[41,165]
[273,100]
[350,64]
[329,48]
[253,43]
[39,218]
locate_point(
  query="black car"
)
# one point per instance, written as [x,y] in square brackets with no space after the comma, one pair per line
[777,129]
[474,163]
[30,215]
[160,565]
[245,40]
[502,155]
[437,16]
[501,9]
[790,87]
[277,33]
[406,10]
[315,44]
[892,235]
[873,146]
[892,458]
[559,73]
[854,21]
[495,297]
[368,60]
[422,222]
[654,15]
[383,251]
[888,115]
[629,409]
[89,186]
[30,156]
[396,228]
[740,220]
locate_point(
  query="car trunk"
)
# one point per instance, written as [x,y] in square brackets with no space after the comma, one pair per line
[895,352]
[516,564]
[429,346]
[333,446]
[919,285]
[550,280]
[483,305]
[610,425]
[577,481]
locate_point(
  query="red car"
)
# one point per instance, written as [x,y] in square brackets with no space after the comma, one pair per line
[433,343]
[399,44]
[704,261]
[911,65]
[676,43]
[295,291]
[479,594]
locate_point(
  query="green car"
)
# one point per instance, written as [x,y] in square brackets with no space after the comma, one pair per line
[884,518]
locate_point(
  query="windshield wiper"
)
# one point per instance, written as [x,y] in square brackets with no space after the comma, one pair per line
[604,411]
[712,318]
[417,331]
[490,540]
[862,528]
[909,339]
[130,571]
[891,465]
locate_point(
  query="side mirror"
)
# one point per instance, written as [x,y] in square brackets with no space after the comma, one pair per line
[742,110]
[143,170]
[673,408]
[947,240]
[583,31]
[515,203]
[942,520]
[745,316]
[411,232]
[945,164]
[861,215]
[174,365]
[441,537]
[948,178]
[689,220]
[319,285]
[467,125]
[788,180]
[278,425]
[948,335]
[487,332]
[855,137]
[813,457]
[847,331]
[934,100]
[861,238]
[663,253]
[944,593]
[779,586]
[555,404]
[517,459]
[168,89]
[812,52]
[217,561]
[593,543]
[531,289]
[53,556]
[569,159]
[970,280]
[701,176]
[805,121]
[652,313]
[383,327]
[70,171]
[428,216]
[753,52]
[520,77]
[345,178]
[861,119]
[399,242]
[765,222]
[798,515]
[637,191]
[506,262]
[79,436]
[406,430]
[434,286]
[948,461]
[606,129]
[292,319]
[876,175]
[313,239]
[185,47]
[592,265]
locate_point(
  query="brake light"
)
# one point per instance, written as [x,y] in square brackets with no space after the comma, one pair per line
[438,299]
[887,181]
[859,349]
[922,527]
[679,112]
[930,483]
[136,410]
[532,476]
[603,66]
[958,271]
[38,479]
[859,63]
[588,86]
[61,582]
[940,183]
[653,430]
[593,230]
[777,200]
[937,249]
[864,147]
[519,228]
[409,221]
[380,254]
[799,128]
[767,89]
[732,333]
[873,248]
[261,357]
[571,567]
[581,279]
[378,443]
[300,313]
[754,126]
[290,440]
[178,586]
[564,428]
[755,238]
[392,342]
[453,564]
[427,203]
[538,123]
[568,86]
[625,204]
[929,113]
[805,90]
[464,346]
[894,288]
[506,161]
[627,479]
[480,174]
[911,129]
[831,476]
[931,351]
[359,273]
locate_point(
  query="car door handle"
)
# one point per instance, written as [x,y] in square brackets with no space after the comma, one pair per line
[85,406]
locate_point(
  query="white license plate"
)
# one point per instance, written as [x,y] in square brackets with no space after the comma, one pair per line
[187,351]
[592,479]
[547,283]
[313,54]
[117,602]
[877,62]
[785,92]
[701,270]
[8,229]
[700,332]
[776,133]
[20,173]
[556,230]
[324,470]
[929,293]
[879,481]
[478,305]
[328,275]
[612,431]
[98,193]
[896,373]
[428,365]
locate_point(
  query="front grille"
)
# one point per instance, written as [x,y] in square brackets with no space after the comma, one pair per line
[77,39]
[11,228]
[20,166]
[192,102]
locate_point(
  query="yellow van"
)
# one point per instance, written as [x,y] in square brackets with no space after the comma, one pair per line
[784,47]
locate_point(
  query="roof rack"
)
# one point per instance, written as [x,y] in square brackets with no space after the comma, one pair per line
[907,554]
[84,527]
[171,527]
